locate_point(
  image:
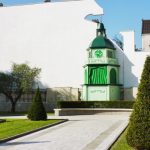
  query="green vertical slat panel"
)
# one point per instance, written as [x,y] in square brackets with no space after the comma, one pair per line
[85,76]
[105,74]
[98,75]
[92,76]
[95,79]
[93,73]
[101,76]
[100,79]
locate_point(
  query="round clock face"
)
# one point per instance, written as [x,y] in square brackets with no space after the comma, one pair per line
[98,53]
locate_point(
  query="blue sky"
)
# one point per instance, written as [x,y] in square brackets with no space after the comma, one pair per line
[118,16]
[122,15]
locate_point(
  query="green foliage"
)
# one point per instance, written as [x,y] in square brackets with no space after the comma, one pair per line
[20,79]
[95,104]
[138,135]
[24,76]
[37,110]
[6,82]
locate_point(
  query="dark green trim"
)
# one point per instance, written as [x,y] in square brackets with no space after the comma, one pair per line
[102,84]
[101,41]
[101,48]
[92,65]
[113,76]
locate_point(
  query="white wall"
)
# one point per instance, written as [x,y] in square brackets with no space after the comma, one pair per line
[133,61]
[52,36]
[119,55]
[146,42]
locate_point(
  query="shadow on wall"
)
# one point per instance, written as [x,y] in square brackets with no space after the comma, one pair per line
[130,80]
[126,76]
[50,96]
[62,94]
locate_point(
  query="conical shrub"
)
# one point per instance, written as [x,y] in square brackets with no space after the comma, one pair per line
[138,135]
[37,110]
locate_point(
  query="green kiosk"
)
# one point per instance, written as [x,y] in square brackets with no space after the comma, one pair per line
[101,71]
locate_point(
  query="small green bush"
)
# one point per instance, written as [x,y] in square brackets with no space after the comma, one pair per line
[95,104]
[37,110]
[138,135]
[2,120]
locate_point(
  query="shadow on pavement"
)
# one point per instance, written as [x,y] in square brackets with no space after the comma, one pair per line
[19,143]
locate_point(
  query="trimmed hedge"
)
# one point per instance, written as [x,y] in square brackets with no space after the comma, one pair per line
[95,104]
[37,110]
[138,135]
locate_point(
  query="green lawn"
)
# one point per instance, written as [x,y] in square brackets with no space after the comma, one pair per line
[121,143]
[16,126]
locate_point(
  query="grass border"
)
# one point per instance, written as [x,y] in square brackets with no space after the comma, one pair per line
[117,138]
[33,131]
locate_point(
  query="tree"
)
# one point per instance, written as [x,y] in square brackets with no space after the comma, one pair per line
[37,110]
[19,80]
[138,135]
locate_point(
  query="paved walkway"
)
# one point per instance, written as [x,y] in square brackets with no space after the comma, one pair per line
[89,132]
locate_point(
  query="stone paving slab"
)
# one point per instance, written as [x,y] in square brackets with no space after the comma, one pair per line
[88,132]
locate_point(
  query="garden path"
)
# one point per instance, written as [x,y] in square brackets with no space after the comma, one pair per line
[85,132]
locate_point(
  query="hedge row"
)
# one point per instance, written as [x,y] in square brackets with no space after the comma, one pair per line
[95,104]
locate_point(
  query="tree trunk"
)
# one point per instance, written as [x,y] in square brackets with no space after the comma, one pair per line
[13,107]
[13,100]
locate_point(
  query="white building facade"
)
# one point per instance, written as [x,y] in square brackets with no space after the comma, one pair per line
[55,36]
[52,36]
[131,65]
